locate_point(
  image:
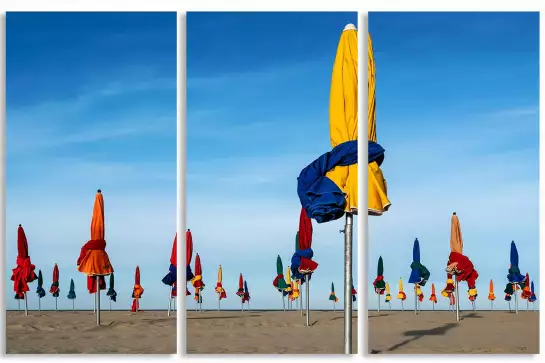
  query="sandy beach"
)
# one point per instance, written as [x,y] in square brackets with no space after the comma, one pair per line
[434,332]
[267,332]
[67,332]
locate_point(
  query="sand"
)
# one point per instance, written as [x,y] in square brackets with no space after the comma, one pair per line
[267,332]
[67,332]
[489,332]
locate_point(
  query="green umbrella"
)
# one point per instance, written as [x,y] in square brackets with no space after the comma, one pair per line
[379,283]
[40,290]
[279,281]
[332,296]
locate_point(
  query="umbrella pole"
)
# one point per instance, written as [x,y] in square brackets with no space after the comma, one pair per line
[73,305]
[219,302]
[307,307]
[301,298]
[169,301]
[39,304]
[241,305]
[348,284]
[516,301]
[110,304]
[378,295]
[19,305]
[433,306]
[55,303]
[97,300]
[390,304]
[26,305]
[415,301]
[526,305]
[402,306]
[457,303]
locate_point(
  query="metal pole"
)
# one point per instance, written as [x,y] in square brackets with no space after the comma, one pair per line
[402,306]
[19,305]
[169,301]
[390,304]
[378,302]
[97,301]
[516,301]
[249,307]
[242,305]
[457,303]
[301,297]
[283,301]
[526,305]
[509,302]
[110,304]
[26,305]
[39,304]
[307,307]
[415,301]
[73,305]
[334,309]
[219,302]
[55,303]
[348,284]
[433,306]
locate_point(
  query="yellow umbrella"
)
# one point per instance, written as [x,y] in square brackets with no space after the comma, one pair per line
[378,200]
[295,293]
[343,112]
[388,296]
[219,287]
[288,280]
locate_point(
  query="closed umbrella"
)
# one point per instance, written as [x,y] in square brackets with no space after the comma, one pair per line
[379,283]
[279,283]
[112,294]
[240,291]
[526,292]
[491,295]
[170,278]
[189,254]
[246,296]
[93,260]
[419,274]
[72,294]
[448,291]
[401,295]
[388,297]
[433,297]
[289,288]
[40,290]
[197,282]
[54,290]
[332,296]
[24,272]
[354,293]
[302,265]
[533,298]
[137,291]
[219,287]
[459,265]
[295,291]
[514,276]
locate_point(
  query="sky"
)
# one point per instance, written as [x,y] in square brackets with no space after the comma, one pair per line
[91,103]
[458,114]
[257,114]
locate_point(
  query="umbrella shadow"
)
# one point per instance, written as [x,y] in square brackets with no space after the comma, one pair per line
[221,317]
[417,334]
[471,316]
[377,316]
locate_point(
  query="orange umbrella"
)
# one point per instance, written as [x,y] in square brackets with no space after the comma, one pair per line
[137,291]
[433,297]
[491,295]
[93,260]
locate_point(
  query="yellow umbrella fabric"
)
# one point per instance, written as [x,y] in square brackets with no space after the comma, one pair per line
[401,295]
[295,293]
[343,112]
[378,201]
[388,296]
[288,280]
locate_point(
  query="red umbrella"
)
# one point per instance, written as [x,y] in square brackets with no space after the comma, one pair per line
[137,291]
[24,272]
[197,280]
[174,261]
[55,285]
[240,291]
[188,256]
[306,265]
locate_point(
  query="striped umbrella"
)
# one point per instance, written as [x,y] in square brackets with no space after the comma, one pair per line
[54,290]
[72,293]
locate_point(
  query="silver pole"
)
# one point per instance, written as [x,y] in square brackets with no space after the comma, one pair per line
[526,305]
[110,304]
[97,302]
[307,307]
[55,303]
[348,284]
[457,303]
[241,305]
[249,307]
[509,302]
[18,304]
[219,302]
[334,309]
[415,301]
[516,300]
[73,305]
[390,304]
[402,306]
[301,297]
[39,304]
[169,301]
[283,300]
[378,302]
[26,305]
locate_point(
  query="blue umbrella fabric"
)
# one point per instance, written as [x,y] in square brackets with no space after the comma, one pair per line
[40,290]
[514,276]
[72,293]
[419,274]
[533,296]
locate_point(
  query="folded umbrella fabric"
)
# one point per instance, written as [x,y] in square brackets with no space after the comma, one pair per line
[449,288]
[112,294]
[533,296]
[419,272]
[379,283]
[24,272]
[388,296]
[40,290]
[514,275]
[332,296]
[401,295]
[433,297]
[72,293]
[54,290]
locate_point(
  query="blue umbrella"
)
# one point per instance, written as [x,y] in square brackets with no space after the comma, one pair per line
[533,297]
[72,293]
[419,272]
[514,276]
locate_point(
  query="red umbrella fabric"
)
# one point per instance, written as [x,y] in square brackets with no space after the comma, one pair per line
[170,278]
[301,262]
[137,291]
[240,291]
[188,256]
[24,272]
[197,280]
[55,285]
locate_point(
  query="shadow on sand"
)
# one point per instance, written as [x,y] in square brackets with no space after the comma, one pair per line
[417,334]
[221,317]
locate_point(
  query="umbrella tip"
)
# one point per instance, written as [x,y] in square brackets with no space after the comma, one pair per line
[350,26]
[454,213]
[20,226]
[99,191]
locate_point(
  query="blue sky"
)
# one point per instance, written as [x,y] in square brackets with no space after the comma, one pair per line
[458,115]
[91,103]
[257,113]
